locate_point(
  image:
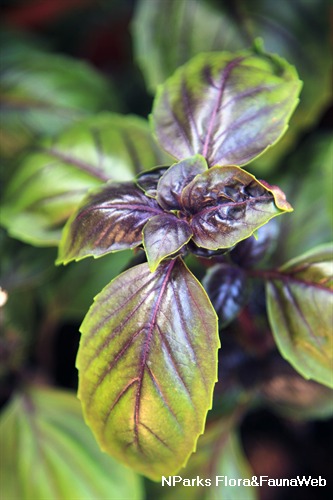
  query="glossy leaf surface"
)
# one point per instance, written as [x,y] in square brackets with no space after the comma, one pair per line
[109,219]
[227,107]
[226,287]
[49,185]
[164,235]
[300,304]
[147,366]
[227,205]
[47,451]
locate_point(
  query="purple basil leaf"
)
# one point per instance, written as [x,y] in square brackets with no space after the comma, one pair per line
[228,108]
[147,181]
[147,367]
[110,218]
[164,235]
[173,181]
[227,204]
[253,250]
[227,289]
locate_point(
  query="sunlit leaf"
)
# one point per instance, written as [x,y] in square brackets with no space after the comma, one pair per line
[49,184]
[47,451]
[147,366]
[226,286]
[110,218]
[164,235]
[300,305]
[227,205]
[298,31]
[227,107]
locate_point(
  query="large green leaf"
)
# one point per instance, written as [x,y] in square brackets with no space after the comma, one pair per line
[300,305]
[228,107]
[42,93]
[49,184]
[169,33]
[47,451]
[147,366]
[309,187]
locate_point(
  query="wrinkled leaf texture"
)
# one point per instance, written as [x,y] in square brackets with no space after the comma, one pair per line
[300,305]
[50,183]
[227,107]
[47,451]
[227,204]
[147,367]
[217,208]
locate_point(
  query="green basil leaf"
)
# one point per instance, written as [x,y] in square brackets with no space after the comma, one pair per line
[49,185]
[227,107]
[300,304]
[147,366]
[111,218]
[47,451]
[42,93]
[219,457]
[227,205]
[164,235]
[311,197]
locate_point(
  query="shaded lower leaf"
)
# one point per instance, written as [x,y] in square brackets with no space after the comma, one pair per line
[164,235]
[47,451]
[300,305]
[219,457]
[226,288]
[147,366]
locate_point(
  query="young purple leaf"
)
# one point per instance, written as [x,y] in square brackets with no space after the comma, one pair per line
[174,180]
[147,367]
[226,205]
[227,107]
[111,218]
[147,181]
[227,288]
[163,236]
